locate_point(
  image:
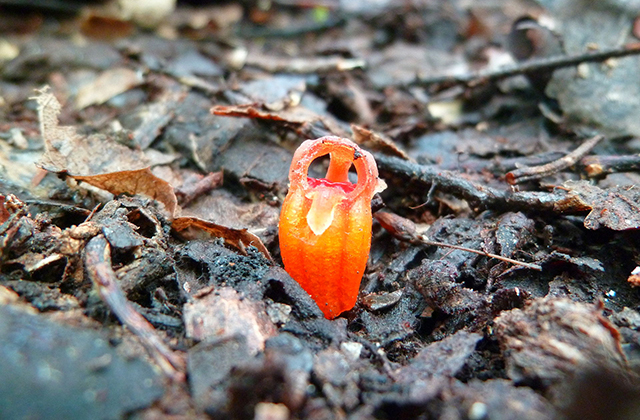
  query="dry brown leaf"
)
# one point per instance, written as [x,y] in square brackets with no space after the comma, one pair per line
[297,115]
[102,27]
[96,160]
[258,111]
[68,151]
[194,228]
[139,181]
[376,141]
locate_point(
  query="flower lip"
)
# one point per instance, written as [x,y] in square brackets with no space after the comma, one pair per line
[343,153]
[347,187]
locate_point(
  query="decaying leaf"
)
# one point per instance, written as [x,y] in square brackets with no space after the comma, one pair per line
[194,228]
[97,160]
[69,152]
[221,207]
[107,85]
[150,119]
[297,115]
[139,181]
[617,208]
[4,214]
[100,26]
[376,141]
[197,185]
[398,226]
[224,313]
[552,338]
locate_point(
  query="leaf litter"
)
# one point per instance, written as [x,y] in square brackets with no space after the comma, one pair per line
[198,292]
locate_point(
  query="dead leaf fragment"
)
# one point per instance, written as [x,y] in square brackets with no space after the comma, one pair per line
[140,181]
[107,85]
[381,300]
[100,26]
[552,338]
[225,313]
[221,207]
[398,226]
[617,208]
[256,111]
[4,214]
[198,185]
[297,115]
[68,151]
[148,120]
[376,141]
[97,160]
[194,228]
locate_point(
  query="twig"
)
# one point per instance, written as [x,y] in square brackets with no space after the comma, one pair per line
[61,206]
[479,197]
[500,166]
[405,230]
[303,65]
[537,172]
[291,31]
[485,253]
[97,260]
[530,66]
[598,166]
[194,188]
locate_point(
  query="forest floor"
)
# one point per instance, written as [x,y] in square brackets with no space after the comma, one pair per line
[142,172]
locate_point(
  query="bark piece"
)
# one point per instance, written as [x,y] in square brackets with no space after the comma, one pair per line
[224,313]
[497,399]
[551,339]
[209,366]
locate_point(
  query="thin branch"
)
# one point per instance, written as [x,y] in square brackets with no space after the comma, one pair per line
[290,31]
[599,166]
[479,197]
[488,254]
[530,66]
[570,159]
[98,265]
[405,230]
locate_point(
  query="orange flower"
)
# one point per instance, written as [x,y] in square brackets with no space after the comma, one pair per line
[325,224]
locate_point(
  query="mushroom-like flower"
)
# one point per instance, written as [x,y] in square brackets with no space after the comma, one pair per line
[325,224]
